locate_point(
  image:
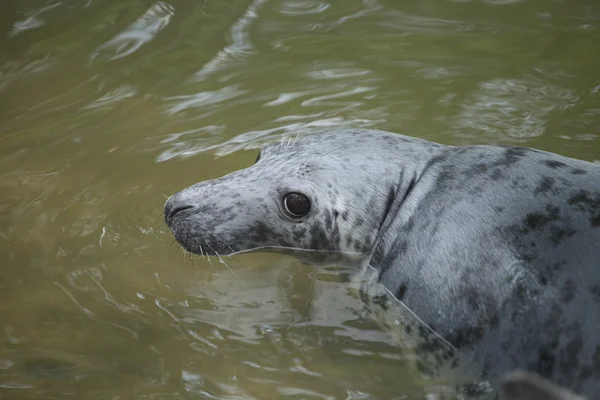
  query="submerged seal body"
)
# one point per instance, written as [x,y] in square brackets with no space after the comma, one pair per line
[496,248]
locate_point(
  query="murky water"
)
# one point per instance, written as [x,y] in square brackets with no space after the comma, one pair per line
[108,105]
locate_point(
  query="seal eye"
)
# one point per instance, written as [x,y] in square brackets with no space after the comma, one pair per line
[296,205]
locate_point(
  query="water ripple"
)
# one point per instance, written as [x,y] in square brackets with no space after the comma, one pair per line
[502,107]
[32,21]
[114,96]
[203,99]
[240,46]
[304,7]
[256,138]
[142,31]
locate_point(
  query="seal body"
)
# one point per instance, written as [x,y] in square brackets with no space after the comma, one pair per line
[495,248]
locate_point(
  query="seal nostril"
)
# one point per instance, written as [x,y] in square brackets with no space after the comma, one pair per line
[177,209]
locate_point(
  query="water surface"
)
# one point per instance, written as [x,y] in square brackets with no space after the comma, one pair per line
[106,106]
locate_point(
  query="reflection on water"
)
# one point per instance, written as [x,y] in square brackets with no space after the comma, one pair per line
[142,31]
[518,109]
[109,106]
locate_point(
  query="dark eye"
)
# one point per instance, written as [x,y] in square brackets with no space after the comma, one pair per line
[296,205]
[257,157]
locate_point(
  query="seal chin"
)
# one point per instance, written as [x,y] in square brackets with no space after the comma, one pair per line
[195,242]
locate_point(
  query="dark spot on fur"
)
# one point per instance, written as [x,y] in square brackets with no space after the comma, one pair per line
[588,202]
[558,234]
[496,174]
[407,329]
[358,223]
[537,221]
[499,209]
[552,268]
[516,182]
[554,164]
[318,239]
[366,247]
[390,199]
[443,177]
[466,336]
[283,242]
[430,345]
[513,154]
[546,362]
[520,292]
[402,247]
[345,215]
[595,292]
[568,291]
[348,241]
[479,168]
[260,233]
[401,291]
[545,185]
[299,233]
[570,354]
[577,171]
[328,220]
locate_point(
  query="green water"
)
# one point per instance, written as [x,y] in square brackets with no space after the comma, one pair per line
[106,106]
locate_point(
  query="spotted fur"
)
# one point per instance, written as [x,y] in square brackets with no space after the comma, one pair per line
[494,248]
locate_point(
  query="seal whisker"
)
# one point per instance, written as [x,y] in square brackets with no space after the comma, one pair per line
[226,244]
[282,139]
[201,252]
[296,138]
[227,265]
[207,257]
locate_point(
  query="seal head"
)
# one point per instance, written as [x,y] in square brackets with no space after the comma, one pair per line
[307,198]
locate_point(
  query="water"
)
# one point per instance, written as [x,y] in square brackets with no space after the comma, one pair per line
[106,106]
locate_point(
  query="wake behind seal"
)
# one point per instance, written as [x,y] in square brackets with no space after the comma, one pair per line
[495,248]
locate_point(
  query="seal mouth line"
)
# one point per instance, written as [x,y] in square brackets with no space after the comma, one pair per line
[297,249]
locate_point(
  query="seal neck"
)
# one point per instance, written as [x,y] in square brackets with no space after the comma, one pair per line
[402,191]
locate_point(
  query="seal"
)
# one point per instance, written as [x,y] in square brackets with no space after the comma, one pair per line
[495,248]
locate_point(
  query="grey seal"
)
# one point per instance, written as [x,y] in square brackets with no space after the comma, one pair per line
[495,248]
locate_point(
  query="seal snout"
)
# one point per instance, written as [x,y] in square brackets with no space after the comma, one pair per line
[173,206]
